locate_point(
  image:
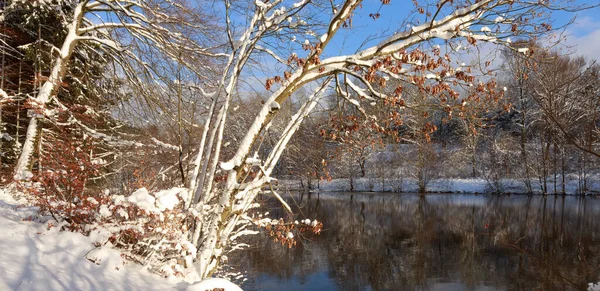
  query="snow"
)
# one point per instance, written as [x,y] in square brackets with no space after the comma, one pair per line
[164,145]
[23,176]
[104,211]
[214,283]
[36,255]
[142,199]
[157,202]
[3,94]
[445,35]
[298,4]
[167,199]
[254,161]
[226,166]
[442,185]
[431,76]
[486,29]
[275,106]
[37,258]
[323,37]
[260,4]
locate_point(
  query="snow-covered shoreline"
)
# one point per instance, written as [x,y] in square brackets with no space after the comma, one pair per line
[446,185]
[36,255]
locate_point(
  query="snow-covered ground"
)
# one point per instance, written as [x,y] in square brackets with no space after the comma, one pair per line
[472,186]
[34,256]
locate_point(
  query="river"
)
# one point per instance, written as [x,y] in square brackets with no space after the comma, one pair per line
[430,242]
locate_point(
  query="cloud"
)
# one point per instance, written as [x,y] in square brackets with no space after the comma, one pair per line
[583,37]
[587,45]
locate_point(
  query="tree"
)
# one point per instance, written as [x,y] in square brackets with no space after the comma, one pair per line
[555,97]
[570,104]
[81,30]
[394,57]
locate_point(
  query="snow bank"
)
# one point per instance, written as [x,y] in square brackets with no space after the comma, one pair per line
[37,256]
[214,283]
[472,186]
[142,199]
[167,199]
[161,200]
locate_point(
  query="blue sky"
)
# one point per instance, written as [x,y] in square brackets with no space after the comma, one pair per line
[582,37]
[584,34]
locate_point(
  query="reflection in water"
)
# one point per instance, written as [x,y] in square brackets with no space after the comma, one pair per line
[433,242]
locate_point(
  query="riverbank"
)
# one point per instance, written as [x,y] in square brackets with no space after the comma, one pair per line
[573,186]
[37,255]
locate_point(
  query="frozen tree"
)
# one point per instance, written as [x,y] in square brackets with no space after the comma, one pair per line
[567,93]
[359,78]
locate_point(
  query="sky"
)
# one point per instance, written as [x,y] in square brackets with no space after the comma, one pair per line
[584,34]
[582,37]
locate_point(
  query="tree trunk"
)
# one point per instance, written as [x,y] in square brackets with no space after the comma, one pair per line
[545,158]
[554,168]
[524,139]
[563,169]
[1,131]
[361,164]
[473,159]
[48,90]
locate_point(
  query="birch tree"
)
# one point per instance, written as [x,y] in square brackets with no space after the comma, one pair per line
[409,55]
[143,20]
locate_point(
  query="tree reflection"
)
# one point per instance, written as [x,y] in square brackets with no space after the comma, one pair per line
[417,242]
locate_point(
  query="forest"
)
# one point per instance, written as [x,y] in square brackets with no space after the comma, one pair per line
[164,123]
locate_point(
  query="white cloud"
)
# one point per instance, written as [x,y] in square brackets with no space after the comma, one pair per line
[586,23]
[587,45]
[583,37]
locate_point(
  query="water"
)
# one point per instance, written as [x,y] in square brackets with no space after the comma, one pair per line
[432,242]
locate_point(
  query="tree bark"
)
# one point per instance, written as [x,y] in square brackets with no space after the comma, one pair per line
[48,90]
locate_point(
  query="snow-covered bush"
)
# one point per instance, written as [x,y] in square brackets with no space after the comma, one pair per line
[151,229]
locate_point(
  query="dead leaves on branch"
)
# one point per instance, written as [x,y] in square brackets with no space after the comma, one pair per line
[286,233]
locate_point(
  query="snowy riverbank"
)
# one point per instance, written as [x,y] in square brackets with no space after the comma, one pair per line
[472,186]
[37,256]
